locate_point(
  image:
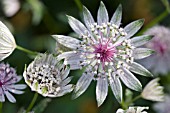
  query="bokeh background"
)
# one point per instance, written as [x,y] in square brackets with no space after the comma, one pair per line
[34,22]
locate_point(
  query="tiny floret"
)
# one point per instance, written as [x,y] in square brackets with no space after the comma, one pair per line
[8,80]
[7,42]
[106,53]
[153,91]
[133,110]
[48,76]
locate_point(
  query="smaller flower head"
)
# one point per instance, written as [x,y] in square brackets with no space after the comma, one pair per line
[163,107]
[10,7]
[7,42]
[133,110]
[159,63]
[153,91]
[48,76]
[8,78]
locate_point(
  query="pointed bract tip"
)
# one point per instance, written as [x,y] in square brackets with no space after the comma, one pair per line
[101,3]
[74,96]
[120,6]
[99,103]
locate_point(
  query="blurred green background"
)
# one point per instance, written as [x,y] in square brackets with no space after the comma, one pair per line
[36,20]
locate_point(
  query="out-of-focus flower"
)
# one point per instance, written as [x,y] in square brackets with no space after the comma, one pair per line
[8,78]
[48,76]
[106,51]
[159,63]
[133,110]
[163,107]
[10,7]
[153,91]
[7,42]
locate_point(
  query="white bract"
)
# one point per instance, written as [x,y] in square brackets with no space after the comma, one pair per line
[133,110]
[153,91]
[158,63]
[106,52]
[48,76]
[7,42]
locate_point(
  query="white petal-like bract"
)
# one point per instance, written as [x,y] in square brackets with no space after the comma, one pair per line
[7,42]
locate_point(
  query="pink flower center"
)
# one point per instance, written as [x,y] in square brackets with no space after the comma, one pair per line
[159,47]
[104,51]
[1,84]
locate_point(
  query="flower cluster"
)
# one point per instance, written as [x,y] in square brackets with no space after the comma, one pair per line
[8,80]
[106,52]
[48,76]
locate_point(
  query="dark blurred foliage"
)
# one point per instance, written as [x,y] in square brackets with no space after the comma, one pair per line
[36,20]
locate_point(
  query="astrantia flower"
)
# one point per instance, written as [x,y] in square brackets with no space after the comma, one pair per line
[153,91]
[48,76]
[133,110]
[163,107]
[10,7]
[7,42]
[8,78]
[106,52]
[159,62]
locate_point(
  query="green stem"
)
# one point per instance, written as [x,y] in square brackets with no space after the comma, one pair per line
[26,50]
[125,105]
[134,99]
[1,107]
[32,102]
[155,21]
[79,4]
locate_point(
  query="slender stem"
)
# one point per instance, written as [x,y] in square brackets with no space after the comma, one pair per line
[26,50]
[1,107]
[134,99]
[123,104]
[126,104]
[79,4]
[32,102]
[155,21]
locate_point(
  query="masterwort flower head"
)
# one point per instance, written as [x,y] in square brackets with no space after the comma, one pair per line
[106,52]
[7,42]
[133,110]
[48,76]
[10,7]
[8,80]
[159,63]
[163,107]
[153,91]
